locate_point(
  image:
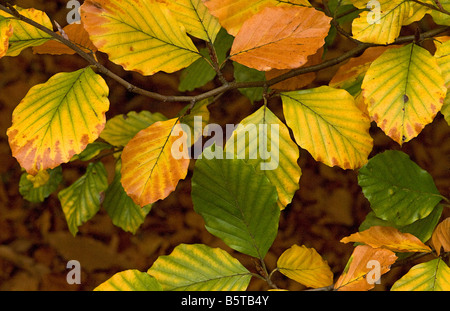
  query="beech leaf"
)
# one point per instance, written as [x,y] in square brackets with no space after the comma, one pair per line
[280,38]
[441,237]
[389,238]
[150,172]
[365,266]
[305,266]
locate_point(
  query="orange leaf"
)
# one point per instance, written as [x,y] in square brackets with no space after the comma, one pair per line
[76,34]
[441,236]
[150,172]
[233,13]
[299,81]
[280,38]
[388,238]
[365,267]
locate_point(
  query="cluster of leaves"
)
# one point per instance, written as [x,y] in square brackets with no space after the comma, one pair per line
[275,47]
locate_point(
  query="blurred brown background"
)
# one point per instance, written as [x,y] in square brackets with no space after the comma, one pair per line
[35,244]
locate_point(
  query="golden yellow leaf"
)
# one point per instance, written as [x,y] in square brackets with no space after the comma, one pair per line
[233,13]
[24,35]
[442,56]
[305,266]
[404,90]
[142,36]
[58,119]
[389,238]
[441,236]
[280,38]
[327,123]
[76,34]
[150,168]
[364,268]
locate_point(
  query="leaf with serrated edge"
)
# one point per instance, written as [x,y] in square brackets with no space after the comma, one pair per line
[305,266]
[130,280]
[359,271]
[198,267]
[285,175]
[150,172]
[81,200]
[433,275]
[389,238]
[58,119]
[280,38]
[404,90]
[233,13]
[326,122]
[142,36]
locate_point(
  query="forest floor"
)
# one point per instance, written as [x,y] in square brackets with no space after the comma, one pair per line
[35,244]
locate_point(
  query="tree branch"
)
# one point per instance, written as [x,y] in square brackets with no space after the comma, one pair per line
[223,88]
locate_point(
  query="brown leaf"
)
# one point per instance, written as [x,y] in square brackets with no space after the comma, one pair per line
[364,267]
[76,34]
[441,236]
[280,38]
[388,238]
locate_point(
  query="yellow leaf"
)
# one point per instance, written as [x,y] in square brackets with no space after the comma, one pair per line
[284,172]
[442,56]
[364,268]
[327,123]
[441,236]
[25,35]
[76,34]
[280,38]
[40,179]
[433,275]
[404,90]
[150,171]
[233,13]
[142,36]
[6,31]
[58,119]
[389,238]
[305,266]
[382,24]
[195,17]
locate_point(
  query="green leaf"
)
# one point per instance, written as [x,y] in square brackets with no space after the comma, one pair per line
[58,119]
[245,74]
[199,267]
[25,35]
[120,129]
[200,72]
[130,280]
[91,151]
[280,165]
[35,192]
[120,207]
[433,275]
[237,203]
[398,190]
[81,200]
[422,228]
